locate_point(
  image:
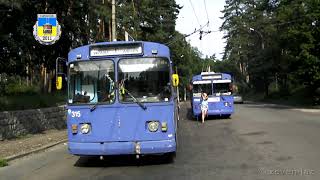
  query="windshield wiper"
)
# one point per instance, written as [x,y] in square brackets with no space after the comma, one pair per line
[95,105]
[136,100]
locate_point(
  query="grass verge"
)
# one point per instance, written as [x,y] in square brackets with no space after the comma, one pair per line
[33,101]
[3,162]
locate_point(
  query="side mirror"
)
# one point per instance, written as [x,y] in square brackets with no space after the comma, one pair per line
[190,87]
[175,80]
[59,82]
[233,88]
[60,71]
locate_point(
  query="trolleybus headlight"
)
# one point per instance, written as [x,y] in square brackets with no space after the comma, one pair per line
[153,126]
[85,128]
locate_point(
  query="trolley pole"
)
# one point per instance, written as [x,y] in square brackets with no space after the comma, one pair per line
[114,33]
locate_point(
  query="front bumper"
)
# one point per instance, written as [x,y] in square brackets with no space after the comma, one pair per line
[121,148]
[216,112]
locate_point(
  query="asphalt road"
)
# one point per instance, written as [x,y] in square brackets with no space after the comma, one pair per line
[258,142]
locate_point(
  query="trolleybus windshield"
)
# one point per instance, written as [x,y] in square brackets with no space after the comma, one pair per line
[146,79]
[91,82]
[221,88]
[202,87]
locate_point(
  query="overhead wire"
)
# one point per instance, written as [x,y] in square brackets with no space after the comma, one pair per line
[202,33]
[205,7]
[195,14]
[186,35]
[192,33]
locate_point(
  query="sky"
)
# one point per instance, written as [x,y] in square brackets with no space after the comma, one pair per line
[212,43]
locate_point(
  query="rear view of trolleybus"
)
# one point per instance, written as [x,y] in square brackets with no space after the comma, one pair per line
[219,89]
[121,99]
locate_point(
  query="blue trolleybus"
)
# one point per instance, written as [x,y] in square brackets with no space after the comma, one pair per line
[219,89]
[121,99]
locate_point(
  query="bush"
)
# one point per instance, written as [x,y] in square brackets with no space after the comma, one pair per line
[3,82]
[3,162]
[17,89]
[16,94]
[21,102]
[16,85]
[242,88]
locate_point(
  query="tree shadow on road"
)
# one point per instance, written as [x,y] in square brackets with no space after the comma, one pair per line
[124,160]
[189,115]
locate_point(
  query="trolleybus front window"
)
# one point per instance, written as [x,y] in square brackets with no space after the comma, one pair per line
[202,87]
[147,80]
[91,82]
[222,89]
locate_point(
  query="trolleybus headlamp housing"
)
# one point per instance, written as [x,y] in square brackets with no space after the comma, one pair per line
[85,128]
[74,128]
[153,126]
[78,56]
[154,51]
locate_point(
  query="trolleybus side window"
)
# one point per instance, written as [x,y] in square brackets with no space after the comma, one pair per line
[91,82]
[146,79]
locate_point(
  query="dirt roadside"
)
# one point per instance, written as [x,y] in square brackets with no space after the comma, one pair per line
[30,142]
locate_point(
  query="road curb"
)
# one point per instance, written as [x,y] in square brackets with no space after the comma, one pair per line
[283,105]
[40,149]
[270,104]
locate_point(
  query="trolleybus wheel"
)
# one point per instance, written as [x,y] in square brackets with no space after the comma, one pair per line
[170,157]
[226,116]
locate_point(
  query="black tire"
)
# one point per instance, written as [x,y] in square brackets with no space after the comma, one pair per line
[170,157]
[176,138]
[226,116]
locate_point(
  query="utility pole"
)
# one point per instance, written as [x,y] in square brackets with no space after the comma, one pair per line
[259,33]
[114,34]
[265,76]
[102,26]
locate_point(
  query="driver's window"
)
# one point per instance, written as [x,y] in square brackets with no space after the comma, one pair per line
[91,82]
[88,90]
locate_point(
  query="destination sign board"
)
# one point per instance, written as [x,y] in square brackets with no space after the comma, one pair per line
[115,50]
[212,76]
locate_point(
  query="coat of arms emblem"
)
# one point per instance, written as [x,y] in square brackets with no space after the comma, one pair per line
[47,30]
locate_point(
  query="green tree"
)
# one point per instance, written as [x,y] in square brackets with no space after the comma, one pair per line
[281,47]
[23,56]
[84,22]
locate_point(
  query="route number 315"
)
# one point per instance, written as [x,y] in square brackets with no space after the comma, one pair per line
[75,114]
